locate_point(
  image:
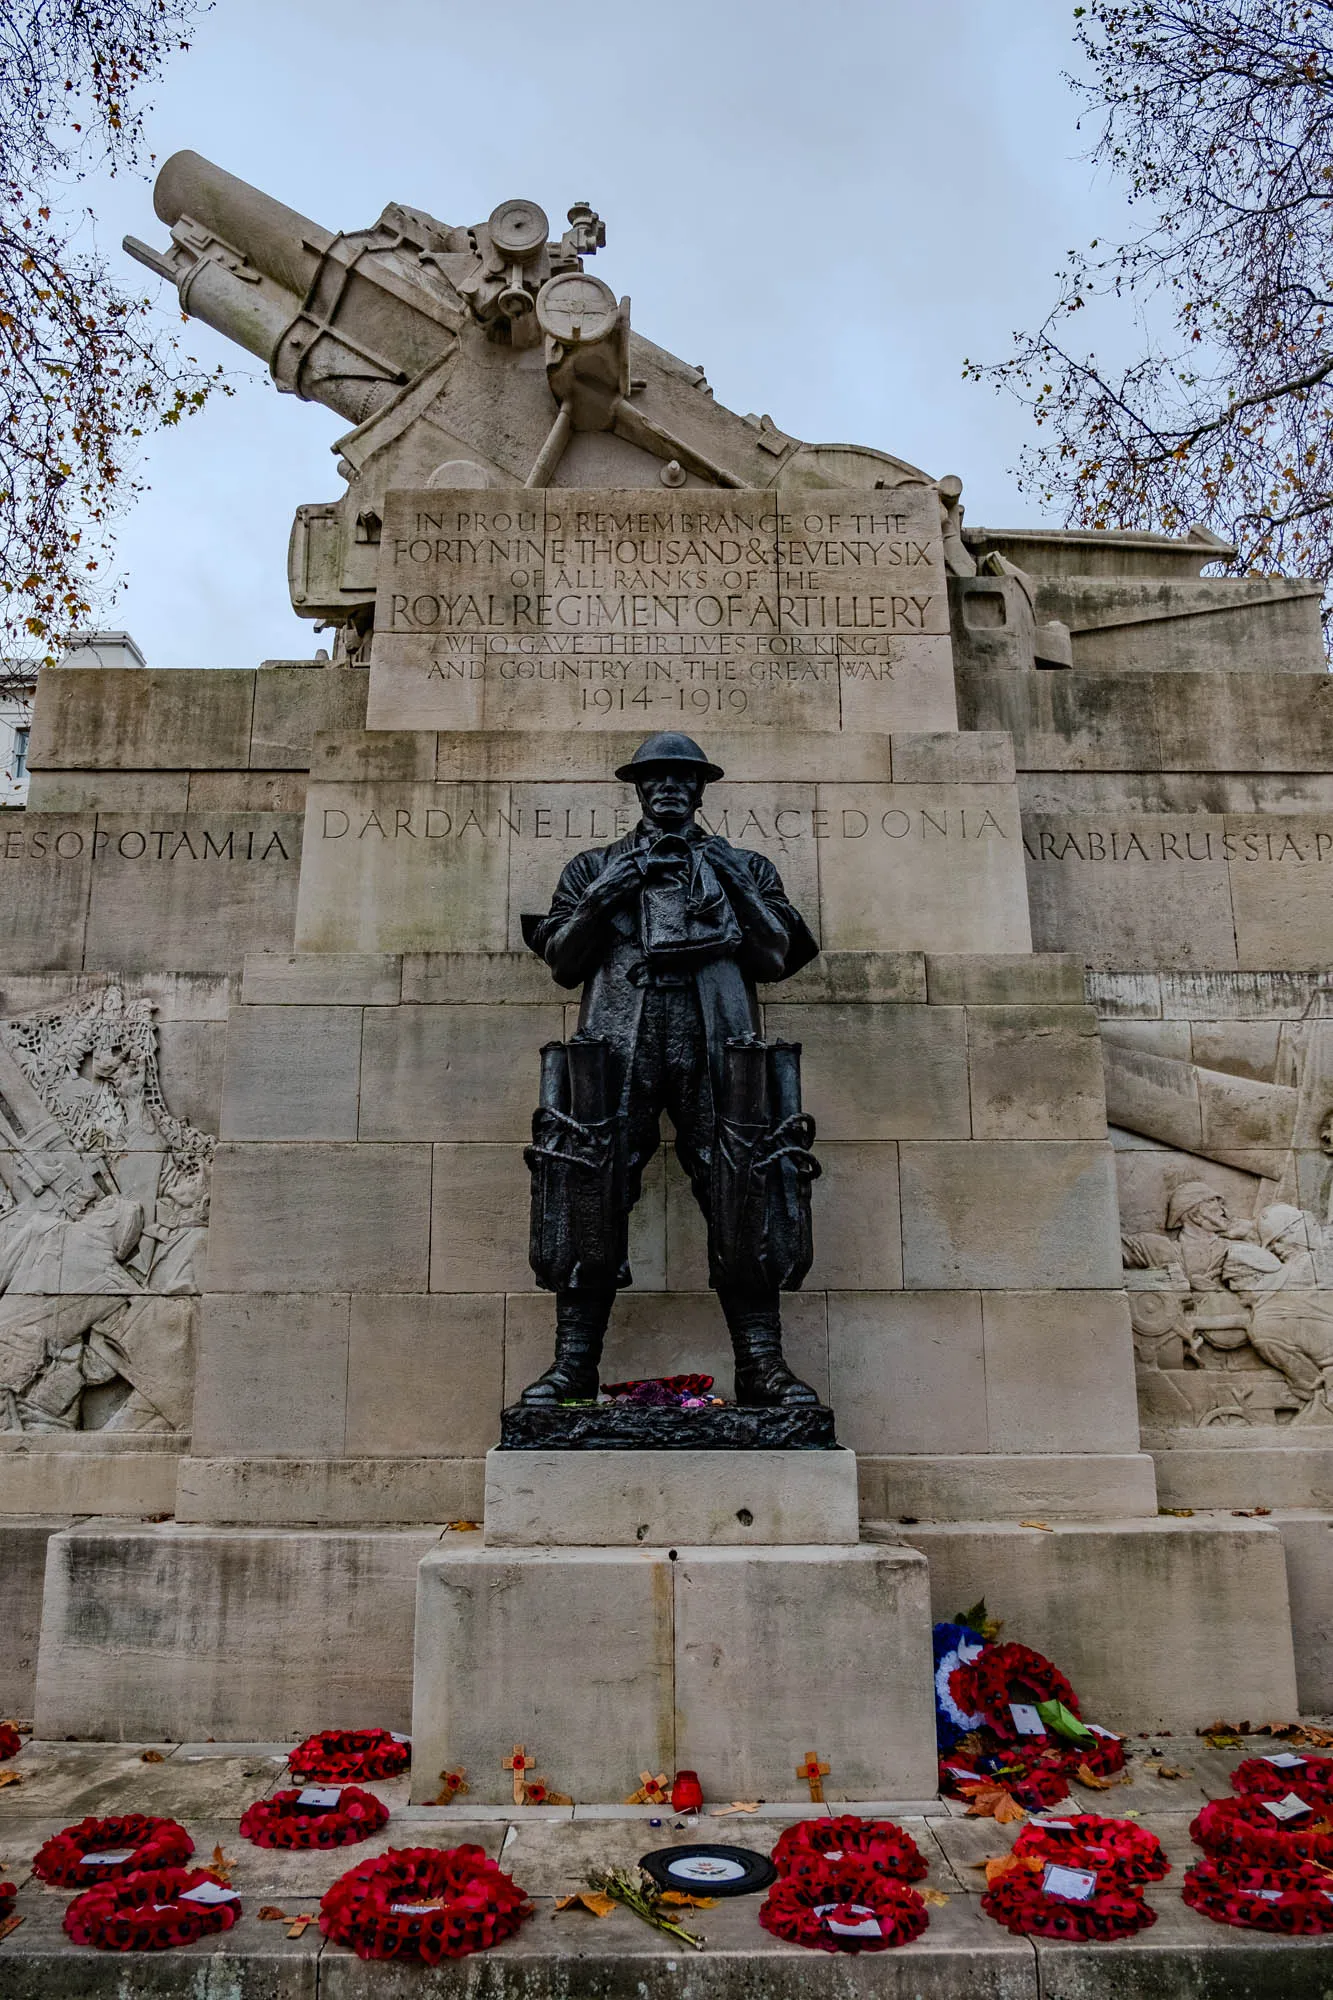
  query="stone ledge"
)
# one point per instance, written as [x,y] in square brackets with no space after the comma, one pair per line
[83,1479]
[1005,979]
[1003,1486]
[330,979]
[332,1492]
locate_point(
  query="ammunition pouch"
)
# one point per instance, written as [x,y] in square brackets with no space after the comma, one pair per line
[760,1237]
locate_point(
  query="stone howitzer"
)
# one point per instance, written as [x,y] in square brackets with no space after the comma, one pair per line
[480,356]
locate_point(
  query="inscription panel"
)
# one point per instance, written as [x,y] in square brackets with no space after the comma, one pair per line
[604,610]
[1219,891]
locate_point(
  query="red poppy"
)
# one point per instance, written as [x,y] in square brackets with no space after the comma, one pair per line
[1245,1832]
[1019,1902]
[1111,1847]
[1311,1779]
[845,1905]
[150,1911]
[10,1741]
[1297,1900]
[281,1821]
[349,1754]
[1011,1673]
[423,1902]
[878,1842]
[82,1855]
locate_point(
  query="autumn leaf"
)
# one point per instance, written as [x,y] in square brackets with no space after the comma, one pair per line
[11,1778]
[1045,1526]
[462,1527]
[591,1900]
[995,1802]
[270,1914]
[221,1865]
[1086,1776]
[935,1897]
[151,1757]
[683,1899]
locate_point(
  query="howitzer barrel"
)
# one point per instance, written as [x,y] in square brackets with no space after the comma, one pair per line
[278,241]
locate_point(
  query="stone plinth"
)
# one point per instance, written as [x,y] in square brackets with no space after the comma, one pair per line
[626,1427]
[1162,1624]
[732,1662]
[609,1498]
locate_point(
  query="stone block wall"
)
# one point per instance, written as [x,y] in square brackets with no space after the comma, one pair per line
[368,1295]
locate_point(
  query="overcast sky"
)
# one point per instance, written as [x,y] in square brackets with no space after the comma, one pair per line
[828,206]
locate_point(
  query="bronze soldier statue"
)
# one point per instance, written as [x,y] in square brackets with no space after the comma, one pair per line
[668,930]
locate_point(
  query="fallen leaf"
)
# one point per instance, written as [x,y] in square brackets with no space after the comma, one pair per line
[1320,1738]
[1178,1513]
[221,1865]
[1250,1513]
[300,1926]
[1173,1771]
[995,1802]
[11,1923]
[1217,1740]
[935,1897]
[591,1900]
[1045,1526]
[463,1527]
[685,1901]
[271,1914]
[151,1757]
[736,1806]
[1086,1776]
[10,1778]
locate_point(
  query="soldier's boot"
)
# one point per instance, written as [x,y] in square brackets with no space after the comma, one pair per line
[762,1375]
[580,1328]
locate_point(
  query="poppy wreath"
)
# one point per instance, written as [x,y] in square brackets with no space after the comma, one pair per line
[279,1821]
[145,1912]
[957,1649]
[1312,1781]
[1241,1832]
[423,1902]
[149,1843]
[8,1891]
[1297,1901]
[1015,1673]
[883,1846]
[1035,1776]
[1104,1755]
[1019,1902]
[1110,1847]
[349,1754]
[665,1392]
[10,1743]
[802,1909]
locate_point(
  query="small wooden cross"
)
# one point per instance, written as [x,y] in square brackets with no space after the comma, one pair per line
[518,1764]
[814,1774]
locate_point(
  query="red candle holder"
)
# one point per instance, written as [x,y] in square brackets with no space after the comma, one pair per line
[686,1792]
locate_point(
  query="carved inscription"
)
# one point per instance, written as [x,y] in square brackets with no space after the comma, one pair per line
[591,823]
[605,610]
[1079,841]
[36,841]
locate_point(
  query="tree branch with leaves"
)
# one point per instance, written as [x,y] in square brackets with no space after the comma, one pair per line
[1217,115]
[85,371]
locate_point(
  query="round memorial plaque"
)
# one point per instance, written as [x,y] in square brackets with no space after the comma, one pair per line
[705,1870]
[576,307]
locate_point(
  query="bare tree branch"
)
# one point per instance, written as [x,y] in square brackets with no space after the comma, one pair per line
[1217,115]
[84,372]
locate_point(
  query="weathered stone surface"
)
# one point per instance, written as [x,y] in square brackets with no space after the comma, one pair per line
[476,978]
[182,1632]
[479,1219]
[873,976]
[855,1210]
[975,757]
[292,1073]
[995,1486]
[997,979]
[330,979]
[1009,1214]
[356,1492]
[1307,1539]
[1059,1372]
[425,1373]
[1035,1073]
[320,1218]
[23,1541]
[246,792]
[603,1427]
[272,1373]
[907,1371]
[872,1072]
[89,718]
[46,862]
[152,792]
[481,1685]
[775,1647]
[292,704]
[467,1072]
[84,1472]
[655,1497]
[195,894]
[1159,1624]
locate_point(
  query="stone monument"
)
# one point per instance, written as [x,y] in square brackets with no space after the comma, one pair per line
[1055,810]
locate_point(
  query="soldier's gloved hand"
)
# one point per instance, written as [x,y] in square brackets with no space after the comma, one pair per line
[616,885]
[727,865]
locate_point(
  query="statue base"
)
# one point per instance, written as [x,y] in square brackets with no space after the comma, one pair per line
[622,1427]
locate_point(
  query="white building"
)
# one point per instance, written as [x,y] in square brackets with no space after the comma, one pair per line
[18,684]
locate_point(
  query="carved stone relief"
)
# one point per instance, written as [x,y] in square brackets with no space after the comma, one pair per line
[103,1219]
[1224,1133]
